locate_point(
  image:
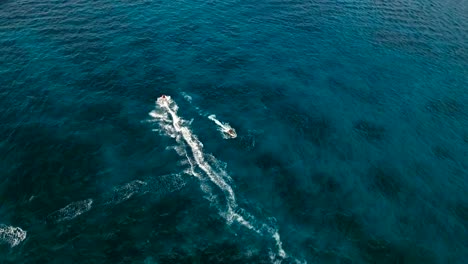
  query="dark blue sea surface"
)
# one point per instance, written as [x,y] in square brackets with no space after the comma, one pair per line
[351,120]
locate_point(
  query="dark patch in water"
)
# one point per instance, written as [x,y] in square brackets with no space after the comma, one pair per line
[295,198]
[391,253]
[303,75]
[327,183]
[217,94]
[332,65]
[69,163]
[386,180]
[461,211]
[343,150]
[310,28]
[305,199]
[267,161]
[405,42]
[445,106]
[346,223]
[223,62]
[13,54]
[104,81]
[99,111]
[442,152]
[157,78]
[318,130]
[369,130]
[364,95]
[248,142]
[323,255]
[311,125]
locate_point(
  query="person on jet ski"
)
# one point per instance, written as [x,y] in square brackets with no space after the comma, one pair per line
[231,133]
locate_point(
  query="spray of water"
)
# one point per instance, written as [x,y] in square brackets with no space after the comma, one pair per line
[11,235]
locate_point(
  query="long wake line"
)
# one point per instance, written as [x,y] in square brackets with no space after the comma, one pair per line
[176,127]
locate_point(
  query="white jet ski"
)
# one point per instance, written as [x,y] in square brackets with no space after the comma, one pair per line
[230,133]
[226,130]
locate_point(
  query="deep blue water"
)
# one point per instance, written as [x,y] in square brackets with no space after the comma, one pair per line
[351,116]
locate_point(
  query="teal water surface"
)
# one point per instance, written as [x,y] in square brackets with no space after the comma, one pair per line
[351,120]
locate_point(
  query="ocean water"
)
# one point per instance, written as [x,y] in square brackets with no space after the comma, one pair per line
[351,120]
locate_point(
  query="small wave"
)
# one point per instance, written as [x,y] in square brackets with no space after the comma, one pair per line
[11,235]
[71,211]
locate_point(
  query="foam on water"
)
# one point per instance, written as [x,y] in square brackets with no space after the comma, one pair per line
[207,167]
[279,244]
[11,235]
[187,97]
[71,211]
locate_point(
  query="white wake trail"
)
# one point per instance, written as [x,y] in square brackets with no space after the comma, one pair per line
[176,127]
[179,129]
